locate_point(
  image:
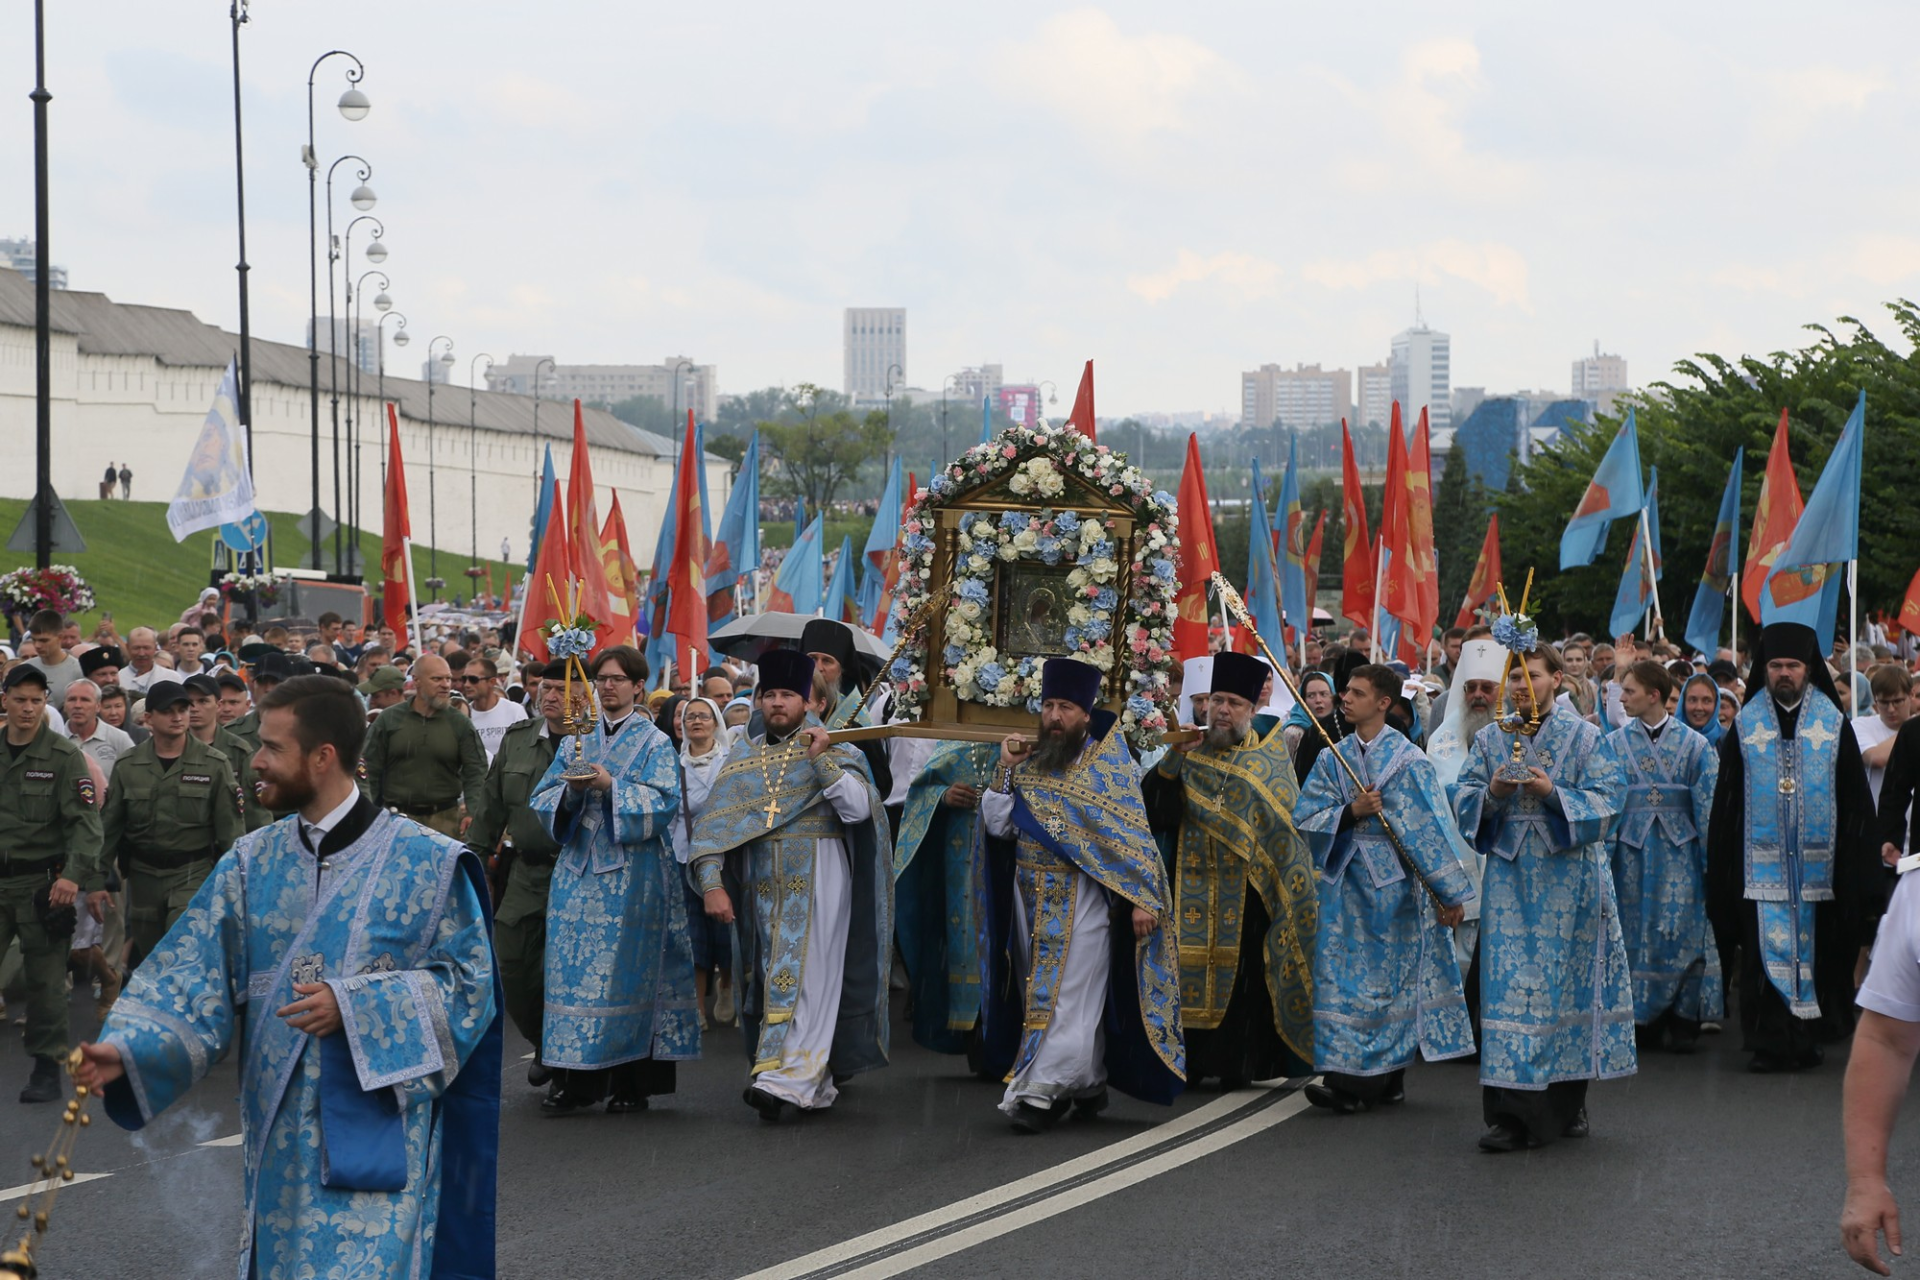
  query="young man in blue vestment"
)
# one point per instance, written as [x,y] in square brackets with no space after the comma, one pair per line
[620,1010]
[932,861]
[345,950]
[1069,896]
[1793,867]
[1660,863]
[1556,999]
[793,850]
[1386,979]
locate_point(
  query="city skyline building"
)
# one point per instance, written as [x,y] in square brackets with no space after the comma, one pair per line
[1373,387]
[873,342]
[676,382]
[1301,397]
[364,354]
[19,255]
[1421,364]
[1600,378]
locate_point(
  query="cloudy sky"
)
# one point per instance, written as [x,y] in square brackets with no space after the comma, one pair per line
[1179,192]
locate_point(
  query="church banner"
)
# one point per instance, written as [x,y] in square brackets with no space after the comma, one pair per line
[218,486]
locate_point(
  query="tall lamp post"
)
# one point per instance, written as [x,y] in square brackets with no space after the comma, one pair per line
[891,370]
[362,199]
[356,384]
[42,306]
[535,386]
[400,339]
[674,433]
[341,251]
[953,380]
[237,13]
[434,582]
[473,457]
[1053,392]
[353,106]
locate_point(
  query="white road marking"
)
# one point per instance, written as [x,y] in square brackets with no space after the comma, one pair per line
[1047,1207]
[27,1188]
[232,1141]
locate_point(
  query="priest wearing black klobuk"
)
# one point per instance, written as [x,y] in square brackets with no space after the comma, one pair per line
[1793,867]
[1079,977]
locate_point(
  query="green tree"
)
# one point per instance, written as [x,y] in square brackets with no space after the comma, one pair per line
[825,450]
[649,413]
[1459,527]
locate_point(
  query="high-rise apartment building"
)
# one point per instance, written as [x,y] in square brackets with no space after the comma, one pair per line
[676,382]
[1421,363]
[364,352]
[1301,397]
[19,254]
[874,342]
[1374,402]
[973,385]
[1600,378]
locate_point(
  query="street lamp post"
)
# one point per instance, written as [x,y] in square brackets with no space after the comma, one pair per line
[1053,392]
[473,456]
[535,384]
[237,13]
[891,370]
[400,339]
[675,432]
[946,454]
[433,521]
[356,380]
[362,199]
[342,251]
[354,106]
[42,306]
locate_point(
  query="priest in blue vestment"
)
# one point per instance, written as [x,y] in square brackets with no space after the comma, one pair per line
[1386,978]
[793,850]
[1080,979]
[620,1010]
[1793,867]
[1660,863]
[1556,998]
[345,950]
[933,907]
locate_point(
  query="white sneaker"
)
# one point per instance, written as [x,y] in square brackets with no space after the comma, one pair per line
[723,1009]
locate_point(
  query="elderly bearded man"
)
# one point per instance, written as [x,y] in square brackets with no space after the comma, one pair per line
[1246,915]
[1386,981]
[792,849]
[1073,905]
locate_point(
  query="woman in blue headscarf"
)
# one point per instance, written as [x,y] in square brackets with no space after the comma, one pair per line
[1700,708]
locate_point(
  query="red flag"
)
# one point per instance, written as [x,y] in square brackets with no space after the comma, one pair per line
[584,561]
[553,567]
[1199,555]
[1313,564]
[1393,517]
[397,527]
[1356,548]
[1910,607]
[1774,515]
[623,576]
[1413,588]
[1081,419]
[1486,574]
[687,575]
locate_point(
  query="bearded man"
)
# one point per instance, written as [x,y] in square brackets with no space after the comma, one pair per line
[1069,897]
[1247,915]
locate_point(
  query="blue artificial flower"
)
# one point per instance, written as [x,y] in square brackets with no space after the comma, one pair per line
[942,485]
[1013,521]
[1097,629]
[1073,637]
[918,543]
[1140,705]
[1067,523]
[570,642]
[973,591]
[1106,598]
[1033,706]
[990,676]
[1100,550]
[1163,569]
[952,654]
[1516,632]
[1165,499]
[1050,550]
[901,669]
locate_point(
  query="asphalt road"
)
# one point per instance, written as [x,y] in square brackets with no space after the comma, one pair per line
[1695,1168]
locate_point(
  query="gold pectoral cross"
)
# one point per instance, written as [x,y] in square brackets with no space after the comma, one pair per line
[773,810]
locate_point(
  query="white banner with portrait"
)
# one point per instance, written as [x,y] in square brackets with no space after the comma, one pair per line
[218,486]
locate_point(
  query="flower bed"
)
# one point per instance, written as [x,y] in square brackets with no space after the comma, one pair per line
[58,587]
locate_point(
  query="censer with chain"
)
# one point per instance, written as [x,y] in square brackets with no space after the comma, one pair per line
[54,1169]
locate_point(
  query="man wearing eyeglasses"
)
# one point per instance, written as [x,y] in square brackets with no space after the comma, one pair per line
[422,759]
[491,712]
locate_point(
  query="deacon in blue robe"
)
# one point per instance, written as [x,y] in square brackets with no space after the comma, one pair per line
[932,863]
[1793,867]
[1660,863]
[792,849]
[345,950]
[1386,978]
[1079,972]
[1556,997]
[620,1008]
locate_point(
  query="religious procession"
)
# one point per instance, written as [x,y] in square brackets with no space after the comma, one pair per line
[1051,798]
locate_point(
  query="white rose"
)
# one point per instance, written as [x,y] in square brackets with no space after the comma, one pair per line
[969,610]
[983,531]
[1019,484]
[1079,615]
[1077,579]
[966,543]
[1008,553]
[1026,540]
[977,563]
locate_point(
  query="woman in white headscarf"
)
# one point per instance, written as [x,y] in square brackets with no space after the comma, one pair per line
[704,745]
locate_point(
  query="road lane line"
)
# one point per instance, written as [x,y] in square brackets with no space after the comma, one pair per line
[27,1188]
[232,1141]
[1047,1182]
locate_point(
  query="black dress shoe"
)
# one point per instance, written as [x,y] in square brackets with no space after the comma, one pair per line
[562,1101]
[1501,1138]
[1028,1118]
[1334,1100]
[1394,1096]
[1576,1127]
[44,1084]
[622,1104]
[771,1109]
[1766,1064]
[1090,1108]
[539,1073]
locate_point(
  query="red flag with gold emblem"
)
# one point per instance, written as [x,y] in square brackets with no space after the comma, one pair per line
[1486,574]
[1910,607]
[623,576]
[551,573]
[687,576]
[1199,559]
[395,594]
[1413,586]
[583,518]
[1774,516]
[1356,548]
[1314,545]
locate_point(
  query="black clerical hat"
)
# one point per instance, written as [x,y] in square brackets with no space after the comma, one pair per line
[1240,674]
[1075,681]
[786,669]
[105,656]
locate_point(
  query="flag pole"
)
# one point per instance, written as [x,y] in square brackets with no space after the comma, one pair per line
[1733,594]
[413,597]
[1853,630]
[1379,585]
[1653,582]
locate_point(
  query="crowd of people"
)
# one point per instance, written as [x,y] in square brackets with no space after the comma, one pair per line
[1548,860]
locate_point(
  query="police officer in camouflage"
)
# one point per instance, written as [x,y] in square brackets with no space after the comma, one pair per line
[526,853]
[203,723]
[49,856]
[174,807]
[423,758]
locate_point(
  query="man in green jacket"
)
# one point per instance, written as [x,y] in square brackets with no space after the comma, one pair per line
[49,856]
[171,812]
[423,758]
[203,723]
[502,822]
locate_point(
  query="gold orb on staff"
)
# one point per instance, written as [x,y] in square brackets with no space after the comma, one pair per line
[570,638]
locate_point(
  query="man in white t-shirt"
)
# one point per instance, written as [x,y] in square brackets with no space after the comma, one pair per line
[143,647]
[100,740]
[491,712]
[1885,1045]
[1892,704]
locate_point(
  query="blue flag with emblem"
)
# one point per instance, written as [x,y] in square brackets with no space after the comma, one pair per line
[1805,583]
[1722,567]
[1612,494]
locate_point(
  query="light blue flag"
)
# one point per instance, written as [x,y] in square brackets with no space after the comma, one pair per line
[799,517]
[886,520]
[1613,494]
[1804,585]
[653,608]
[843,602]
[1263,575]
[1292,559]
[736,547]
[986,419]
[542,512]
[870,586]
[1635,596]
[1722,568]
[797,587]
